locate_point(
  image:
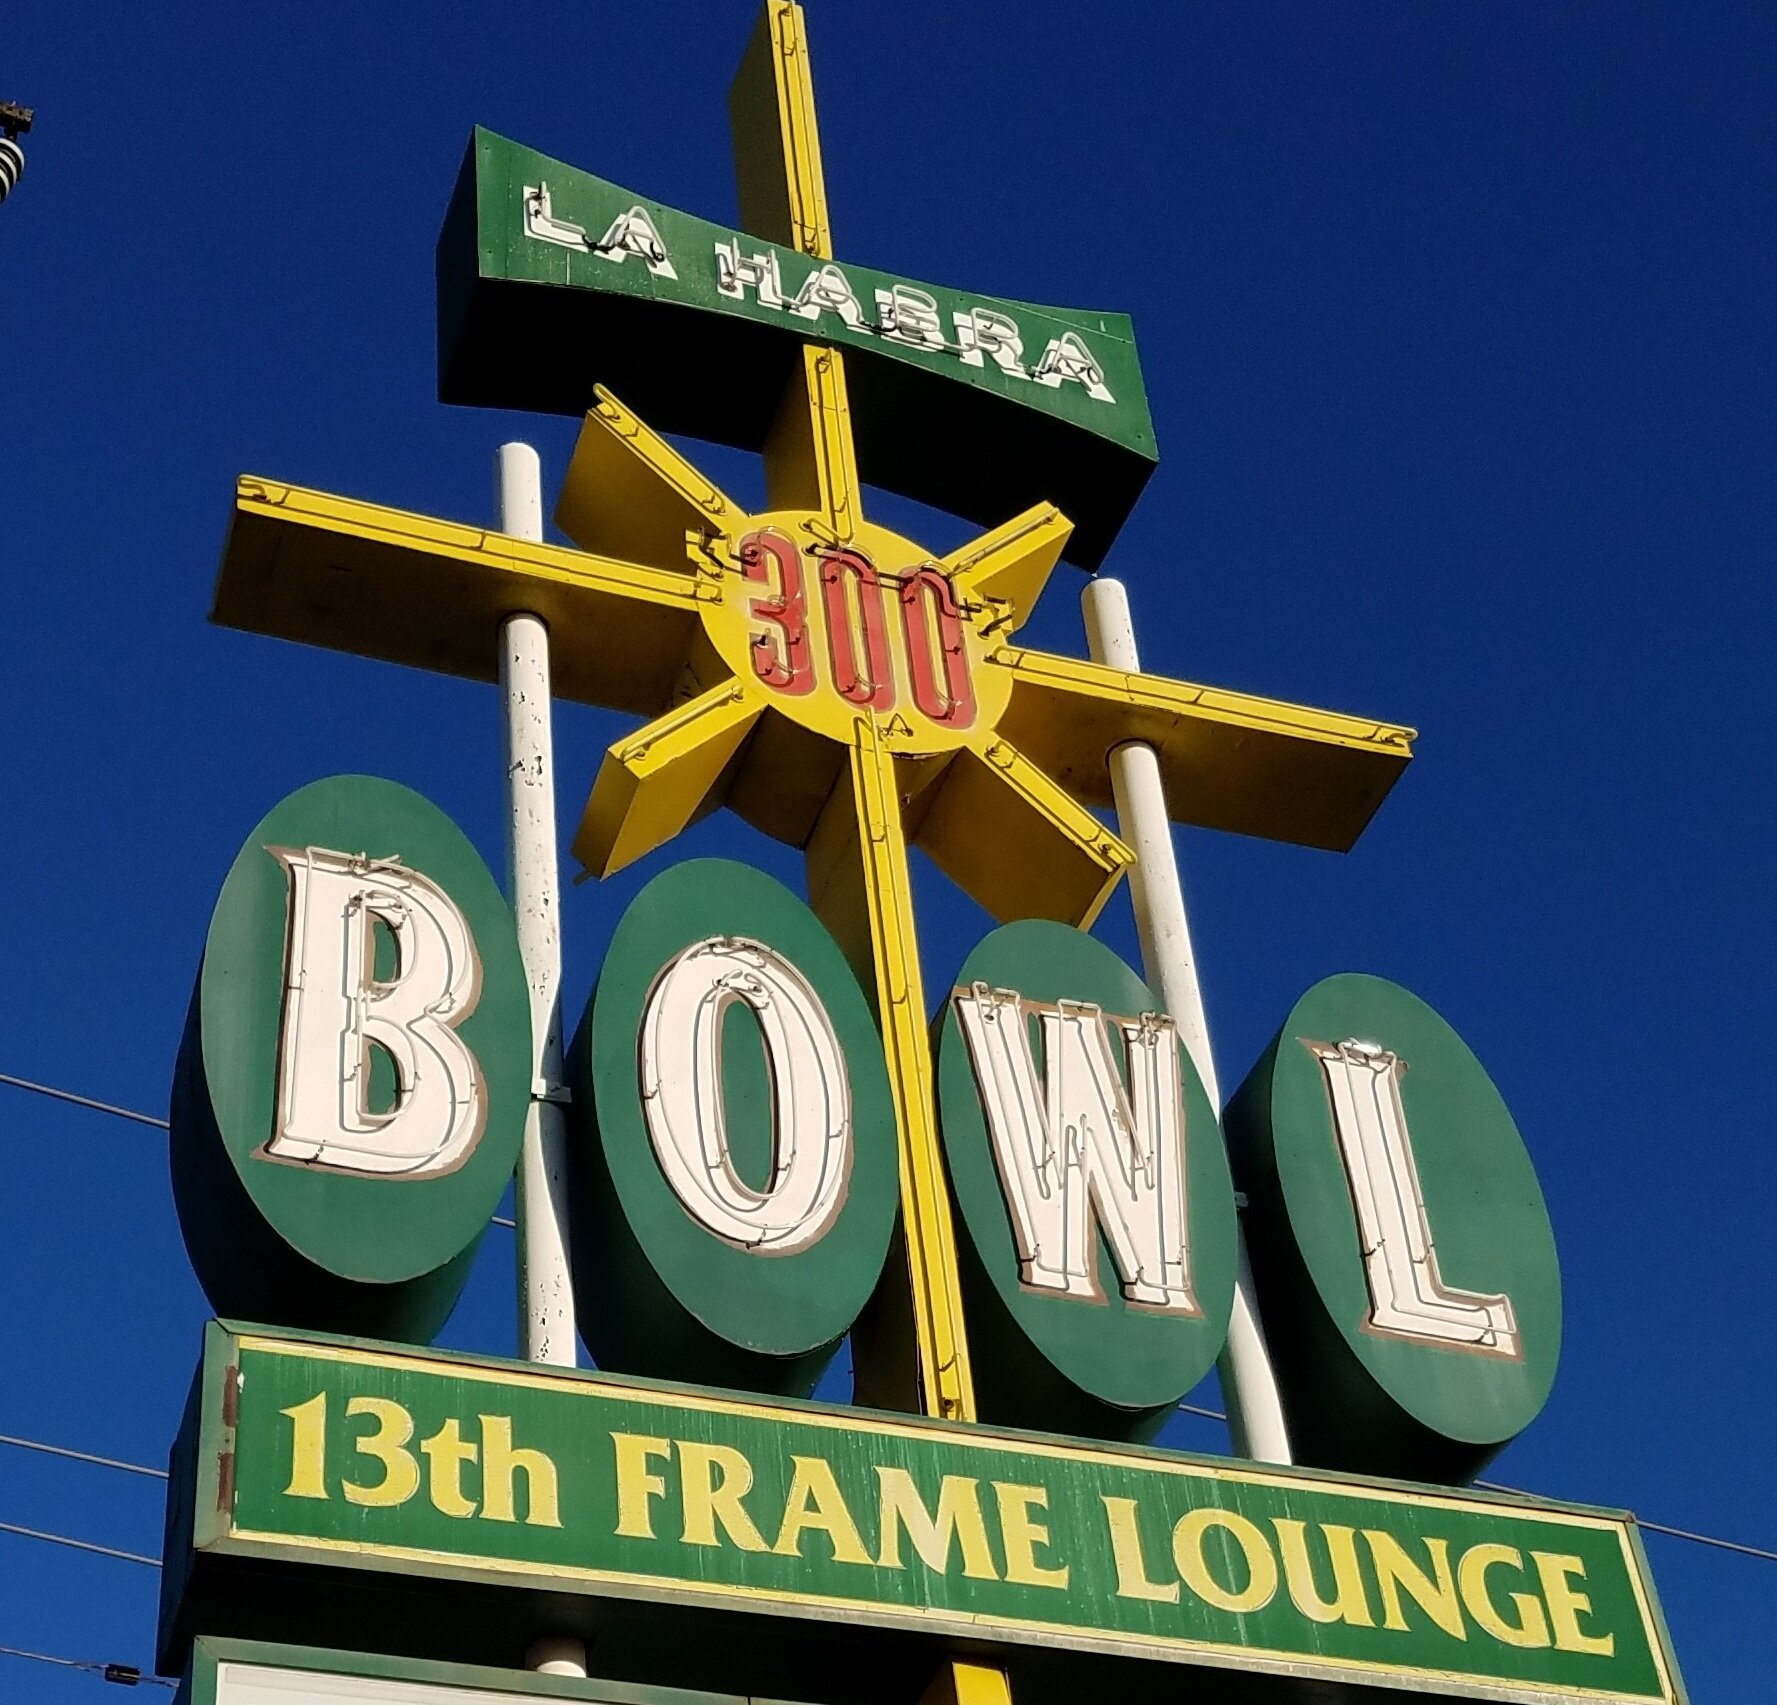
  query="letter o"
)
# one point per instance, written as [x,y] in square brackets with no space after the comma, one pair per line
[1193,1567]
[681,1063]
[734,1169]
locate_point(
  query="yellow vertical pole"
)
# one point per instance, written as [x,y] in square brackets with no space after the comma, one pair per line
[810,464]
[940,1339]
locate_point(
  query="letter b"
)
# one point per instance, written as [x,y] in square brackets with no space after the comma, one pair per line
[353,1079]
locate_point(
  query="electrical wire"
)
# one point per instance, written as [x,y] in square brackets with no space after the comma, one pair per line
[130,1113]
[78,1544]
[82,1100]
[1657,1527]
[1732,1545]
[125,1675]
[82,1456]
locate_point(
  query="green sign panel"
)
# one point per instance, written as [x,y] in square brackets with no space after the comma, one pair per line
[468,1476]
[351,1088]
[551,280]
[1405,1262]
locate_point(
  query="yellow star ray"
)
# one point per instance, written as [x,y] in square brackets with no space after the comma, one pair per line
[665,612]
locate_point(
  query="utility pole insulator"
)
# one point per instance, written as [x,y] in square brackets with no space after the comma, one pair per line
[15,121]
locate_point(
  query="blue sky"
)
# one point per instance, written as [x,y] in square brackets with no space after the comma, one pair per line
[1457,324]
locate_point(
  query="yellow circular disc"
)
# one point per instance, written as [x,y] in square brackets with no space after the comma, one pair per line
[832,630]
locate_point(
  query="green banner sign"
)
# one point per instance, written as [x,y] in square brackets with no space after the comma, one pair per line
[551,280]
[452,1470]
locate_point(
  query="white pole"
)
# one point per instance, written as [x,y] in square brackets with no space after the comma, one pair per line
[546,1326]
[557,1654]
[1249,1386]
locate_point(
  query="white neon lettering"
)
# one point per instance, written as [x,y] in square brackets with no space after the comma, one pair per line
[827,290]
[681,1076]
[634,233]
[540,221]
[631,233]
[335,1011]
[1077,1152]
[987,333]
[1408,1296]
[736,274]
[905,314]
[1068,360]
[910,316]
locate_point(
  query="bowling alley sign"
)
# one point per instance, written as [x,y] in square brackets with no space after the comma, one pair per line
[1012,1193]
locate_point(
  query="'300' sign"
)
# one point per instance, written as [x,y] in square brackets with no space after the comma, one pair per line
[881,641]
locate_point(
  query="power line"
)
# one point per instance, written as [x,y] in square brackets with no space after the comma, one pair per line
[1733,1545]
[78,1544]
[130,1113]
[82,1456]
[1708,1539]
[1659,1527]
[125,1675]
[1671,1532]
[82,1100]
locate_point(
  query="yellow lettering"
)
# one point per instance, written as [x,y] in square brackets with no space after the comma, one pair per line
[1193,1567]
[401,1473]
[959,1518]
[1349,1602]
[501,1465]
[635,1485]
[815,1501]
[308,1448]
[1471,1576]
[712,1481]
[1395,1569]
[1021,1535]
[1132,1568]
[446,1452]
[1566,1606]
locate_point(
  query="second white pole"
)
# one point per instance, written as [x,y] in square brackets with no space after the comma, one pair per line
[546,1296]
[1249,1386]
[547,1331]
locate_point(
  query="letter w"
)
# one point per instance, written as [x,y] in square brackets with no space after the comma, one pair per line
[1077,1152]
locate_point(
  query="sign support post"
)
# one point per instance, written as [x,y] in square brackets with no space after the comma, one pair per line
[1255,1408]
[546,1299]
[857,871]
[546,1324]
[811,460]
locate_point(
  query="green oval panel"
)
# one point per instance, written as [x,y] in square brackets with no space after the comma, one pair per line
[1103,1365]
[1425,1366]
[659,1293]
[315,1243]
